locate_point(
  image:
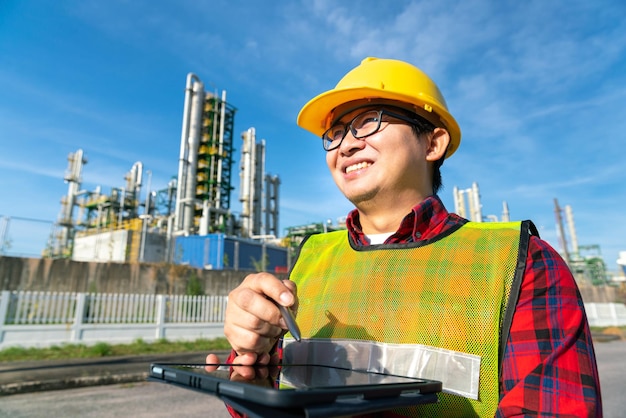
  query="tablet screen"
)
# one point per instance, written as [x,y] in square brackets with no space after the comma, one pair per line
[322,376]
[300,376]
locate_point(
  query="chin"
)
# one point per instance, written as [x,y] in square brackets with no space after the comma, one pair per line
[359,198]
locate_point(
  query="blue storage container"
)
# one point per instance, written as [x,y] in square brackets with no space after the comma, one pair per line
[218,252]
[201,251]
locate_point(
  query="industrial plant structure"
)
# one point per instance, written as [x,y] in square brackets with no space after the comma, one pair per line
[585,261]
[190,221]
[467,204]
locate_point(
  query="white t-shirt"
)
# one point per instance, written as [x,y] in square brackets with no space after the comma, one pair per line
[378,238]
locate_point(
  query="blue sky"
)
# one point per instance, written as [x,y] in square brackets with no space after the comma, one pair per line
[538,88]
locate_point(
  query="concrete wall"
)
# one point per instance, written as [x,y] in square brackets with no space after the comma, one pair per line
[61,275]
[602,294]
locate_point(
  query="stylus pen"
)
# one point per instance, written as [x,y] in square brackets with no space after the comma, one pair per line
[291,322]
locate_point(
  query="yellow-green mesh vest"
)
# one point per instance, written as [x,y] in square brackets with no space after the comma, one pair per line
[450,292]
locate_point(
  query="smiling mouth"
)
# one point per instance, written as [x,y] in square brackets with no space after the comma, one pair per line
[358,166]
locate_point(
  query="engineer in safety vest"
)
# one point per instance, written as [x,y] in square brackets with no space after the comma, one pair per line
[489,309]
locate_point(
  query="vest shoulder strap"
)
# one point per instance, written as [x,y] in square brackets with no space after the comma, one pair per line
[527,230]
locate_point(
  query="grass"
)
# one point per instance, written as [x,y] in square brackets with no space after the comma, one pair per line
[103,349]
[605,334]
[140,347]
[608,330]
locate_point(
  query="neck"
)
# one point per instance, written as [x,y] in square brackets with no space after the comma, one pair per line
[385,217]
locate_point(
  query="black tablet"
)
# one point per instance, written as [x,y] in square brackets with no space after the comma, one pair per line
[300,386]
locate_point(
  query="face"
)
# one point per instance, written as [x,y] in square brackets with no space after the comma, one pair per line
[390,166]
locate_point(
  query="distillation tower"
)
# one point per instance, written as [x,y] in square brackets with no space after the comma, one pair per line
[585,261]
[65,233]
[467,204]
[252,175]
[204,169]
[204,172]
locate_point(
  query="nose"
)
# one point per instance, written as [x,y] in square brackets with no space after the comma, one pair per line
[351,144]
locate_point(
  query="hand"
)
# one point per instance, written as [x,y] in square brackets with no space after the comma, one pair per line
[253,322]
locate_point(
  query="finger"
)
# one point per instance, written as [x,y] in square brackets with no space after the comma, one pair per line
[261,373]
[242,373]
[258,376]
[242,366]
[253,331]
[271,286]
[263,359]
[248,310]
[211,360]
[294,290]
[246,359]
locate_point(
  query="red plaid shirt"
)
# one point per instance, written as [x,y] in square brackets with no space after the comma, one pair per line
[549,366]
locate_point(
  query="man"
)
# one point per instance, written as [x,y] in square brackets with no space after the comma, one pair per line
[489,309]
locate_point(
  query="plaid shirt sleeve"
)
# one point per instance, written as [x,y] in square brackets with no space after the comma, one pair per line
[549,366]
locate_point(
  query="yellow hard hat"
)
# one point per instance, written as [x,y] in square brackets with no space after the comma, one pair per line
[385,80]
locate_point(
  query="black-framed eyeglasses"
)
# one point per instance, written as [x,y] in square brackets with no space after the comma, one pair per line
[365,124]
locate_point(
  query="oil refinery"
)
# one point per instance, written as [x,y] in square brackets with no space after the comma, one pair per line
[191,221]
[585,261]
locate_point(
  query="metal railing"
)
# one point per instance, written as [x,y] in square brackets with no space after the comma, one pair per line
[48,318]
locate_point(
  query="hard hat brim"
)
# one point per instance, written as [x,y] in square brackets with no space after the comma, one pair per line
[315,116]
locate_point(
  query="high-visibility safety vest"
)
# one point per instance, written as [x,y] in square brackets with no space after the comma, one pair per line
[438,309]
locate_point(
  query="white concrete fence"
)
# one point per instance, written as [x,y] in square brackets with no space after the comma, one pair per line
[43,319]
[606,314]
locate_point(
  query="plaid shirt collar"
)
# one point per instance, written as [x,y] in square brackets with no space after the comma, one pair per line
[426,220]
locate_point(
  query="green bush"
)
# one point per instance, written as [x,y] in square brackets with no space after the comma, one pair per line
[101,349]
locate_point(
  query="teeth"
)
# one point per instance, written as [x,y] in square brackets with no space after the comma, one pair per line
[357,167]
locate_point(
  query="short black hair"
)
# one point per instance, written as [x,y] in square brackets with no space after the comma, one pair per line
[437,182]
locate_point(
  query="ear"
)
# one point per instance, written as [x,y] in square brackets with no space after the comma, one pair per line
[438,142]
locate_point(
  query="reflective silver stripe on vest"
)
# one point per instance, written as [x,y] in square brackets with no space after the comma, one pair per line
[459,372]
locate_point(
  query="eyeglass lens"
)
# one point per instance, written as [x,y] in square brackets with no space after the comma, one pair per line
[361,126]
